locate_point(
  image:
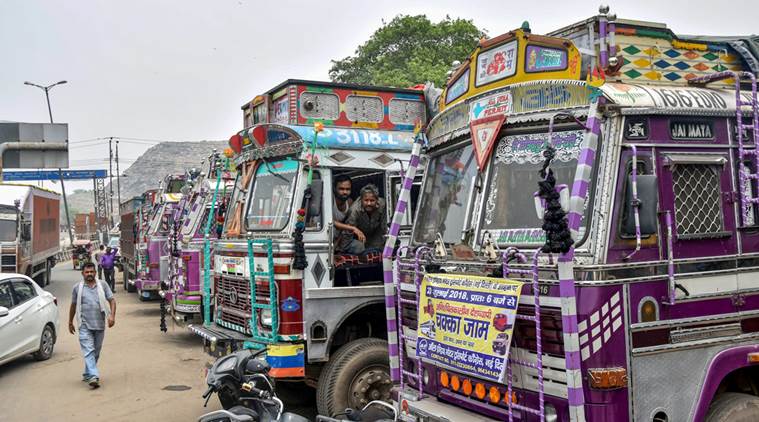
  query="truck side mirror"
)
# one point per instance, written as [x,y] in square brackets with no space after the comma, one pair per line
[648,202]
[315,205]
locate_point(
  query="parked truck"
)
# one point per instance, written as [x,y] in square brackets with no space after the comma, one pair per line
[625,208]
[129,212]
[29,221]
[280,279]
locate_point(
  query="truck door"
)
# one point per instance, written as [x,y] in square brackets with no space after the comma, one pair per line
[695,187]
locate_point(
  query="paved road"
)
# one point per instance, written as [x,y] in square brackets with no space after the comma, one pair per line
[146,375]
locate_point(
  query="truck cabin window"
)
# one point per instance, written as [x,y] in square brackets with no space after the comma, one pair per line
[271,195]
[509,212]
[442,210]
[359,211]
[7,230]
[174,186]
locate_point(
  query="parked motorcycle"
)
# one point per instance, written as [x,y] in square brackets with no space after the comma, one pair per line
[246,393]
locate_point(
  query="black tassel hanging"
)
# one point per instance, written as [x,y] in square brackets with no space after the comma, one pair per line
[558,236]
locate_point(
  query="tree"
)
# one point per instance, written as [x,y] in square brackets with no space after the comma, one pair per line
[407,51]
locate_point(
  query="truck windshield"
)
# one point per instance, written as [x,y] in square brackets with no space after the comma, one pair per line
[7,230]
[509,212]
[444,196]
[174,186]
[271,195]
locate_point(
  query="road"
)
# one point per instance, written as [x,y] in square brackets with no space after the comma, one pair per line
[146,375]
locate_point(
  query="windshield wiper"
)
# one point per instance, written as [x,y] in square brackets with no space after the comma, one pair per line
[279,176]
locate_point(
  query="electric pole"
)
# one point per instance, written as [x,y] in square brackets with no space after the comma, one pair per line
[110,175]
[118,178]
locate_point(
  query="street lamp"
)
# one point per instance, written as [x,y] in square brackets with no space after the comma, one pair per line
[47,95]
[50,112]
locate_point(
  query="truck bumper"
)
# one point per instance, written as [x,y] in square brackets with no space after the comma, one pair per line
[429,409]
[287,360]
[218,341]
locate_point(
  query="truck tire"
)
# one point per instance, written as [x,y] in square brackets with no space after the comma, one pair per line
[734,407]
[358,373]
[49,272]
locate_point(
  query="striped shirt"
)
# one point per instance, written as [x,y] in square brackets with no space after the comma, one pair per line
[92,317]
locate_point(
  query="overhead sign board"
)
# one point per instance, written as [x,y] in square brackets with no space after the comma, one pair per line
[20,176]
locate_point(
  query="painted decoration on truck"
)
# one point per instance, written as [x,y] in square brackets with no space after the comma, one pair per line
[497,63]
[672,97]
[543,59]
[466,323]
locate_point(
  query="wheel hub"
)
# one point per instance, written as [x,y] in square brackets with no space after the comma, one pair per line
[371,383]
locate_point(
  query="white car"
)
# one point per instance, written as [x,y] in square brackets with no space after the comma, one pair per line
[28,319]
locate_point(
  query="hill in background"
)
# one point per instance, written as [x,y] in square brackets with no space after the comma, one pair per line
[147,171]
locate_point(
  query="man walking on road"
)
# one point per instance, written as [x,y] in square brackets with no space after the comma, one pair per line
[92,303]
[107,263]
[98,255]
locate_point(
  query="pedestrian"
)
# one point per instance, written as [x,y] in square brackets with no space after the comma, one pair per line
[107,262]
[99,254]
[92,303]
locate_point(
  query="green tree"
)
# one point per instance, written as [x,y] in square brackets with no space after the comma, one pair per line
[407,51]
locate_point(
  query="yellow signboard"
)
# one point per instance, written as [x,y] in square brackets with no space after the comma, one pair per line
[466,323]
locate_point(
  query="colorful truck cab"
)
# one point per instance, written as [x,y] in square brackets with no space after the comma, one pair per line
[156,259]
[640,294]
[278,280]
[183,289]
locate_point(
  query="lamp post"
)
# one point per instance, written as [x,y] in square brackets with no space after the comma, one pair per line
[60,173]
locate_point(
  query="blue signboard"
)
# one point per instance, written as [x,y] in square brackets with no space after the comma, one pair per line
[20,176]
[355,138]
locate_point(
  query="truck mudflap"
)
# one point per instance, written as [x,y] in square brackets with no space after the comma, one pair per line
[429,409]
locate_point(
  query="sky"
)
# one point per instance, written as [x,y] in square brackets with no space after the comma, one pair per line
[154,70]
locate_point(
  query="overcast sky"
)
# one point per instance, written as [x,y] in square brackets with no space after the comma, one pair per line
[180,70]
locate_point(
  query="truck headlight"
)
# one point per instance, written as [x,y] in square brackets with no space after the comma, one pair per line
[266,317]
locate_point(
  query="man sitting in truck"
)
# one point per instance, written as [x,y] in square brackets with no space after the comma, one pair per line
[348,239]
[368,216]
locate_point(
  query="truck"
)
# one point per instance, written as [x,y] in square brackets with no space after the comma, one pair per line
[280,282]
[85,226]
[29,222]
[596,261]
[188,239]
[129,211]
[156,253]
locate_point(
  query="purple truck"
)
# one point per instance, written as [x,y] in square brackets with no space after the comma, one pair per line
[156,260]
[183,289]
[650,310]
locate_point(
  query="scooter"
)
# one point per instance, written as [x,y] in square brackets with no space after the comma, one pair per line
[241,382]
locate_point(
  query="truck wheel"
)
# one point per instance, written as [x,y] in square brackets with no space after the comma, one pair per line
[47,343]
[734,407]
[130,288]
[358,373]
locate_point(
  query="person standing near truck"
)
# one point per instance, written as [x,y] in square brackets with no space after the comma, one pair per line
[92,303]
[98,255]
[107,262]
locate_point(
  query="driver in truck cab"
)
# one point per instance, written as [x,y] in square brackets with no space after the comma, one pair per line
[347,237]
[368,216]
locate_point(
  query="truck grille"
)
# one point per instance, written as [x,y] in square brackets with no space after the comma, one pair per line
[233,301]
[8,263]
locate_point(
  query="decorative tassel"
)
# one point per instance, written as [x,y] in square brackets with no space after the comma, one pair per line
[558,236]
